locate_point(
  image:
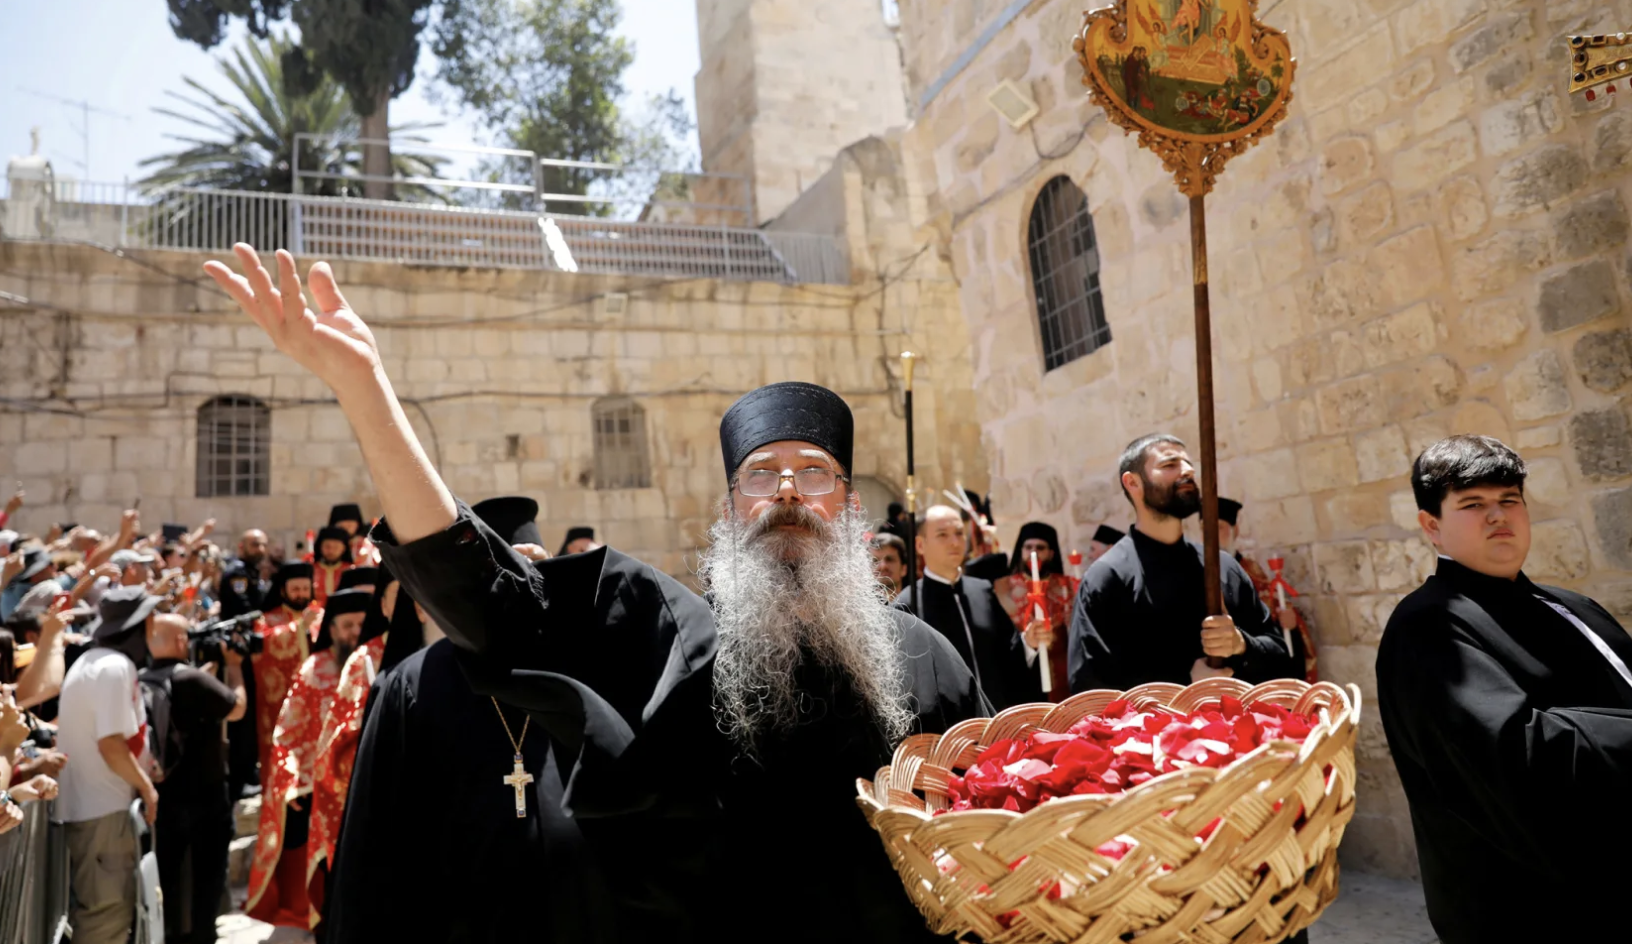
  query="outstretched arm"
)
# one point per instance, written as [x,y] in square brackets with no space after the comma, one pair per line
[335,345]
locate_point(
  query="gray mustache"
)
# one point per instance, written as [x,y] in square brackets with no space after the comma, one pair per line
[780,515]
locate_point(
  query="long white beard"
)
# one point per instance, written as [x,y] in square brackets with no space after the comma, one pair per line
[780,593]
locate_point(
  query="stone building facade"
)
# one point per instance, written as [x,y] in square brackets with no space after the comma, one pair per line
[107,367]
[1435,241]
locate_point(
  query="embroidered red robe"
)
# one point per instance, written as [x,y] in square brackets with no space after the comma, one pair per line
[282,652]
[277,876]
[1062,593]
[326,579]
[336,750]
[1264,583]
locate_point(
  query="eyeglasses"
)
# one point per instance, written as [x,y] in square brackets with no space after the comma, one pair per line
[811,483]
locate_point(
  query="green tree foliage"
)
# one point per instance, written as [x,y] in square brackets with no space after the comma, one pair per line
[546,76]
[251,137]
[368,47]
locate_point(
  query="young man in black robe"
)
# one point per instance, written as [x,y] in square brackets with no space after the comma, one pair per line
[531,873]
[967,611]
[1141,613]
[1508,709]
[714,746]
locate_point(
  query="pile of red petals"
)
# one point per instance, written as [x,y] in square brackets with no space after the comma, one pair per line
[1117,750]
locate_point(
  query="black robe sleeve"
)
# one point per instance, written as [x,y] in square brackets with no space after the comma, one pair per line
[1097,618]
[1522,776]
[1266,657]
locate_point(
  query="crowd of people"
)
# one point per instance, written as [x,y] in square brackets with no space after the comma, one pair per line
[578,747]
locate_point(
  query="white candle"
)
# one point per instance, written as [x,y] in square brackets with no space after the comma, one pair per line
[1042,654]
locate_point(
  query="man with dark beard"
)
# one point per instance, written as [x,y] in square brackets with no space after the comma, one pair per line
[1141,605]
[714,753]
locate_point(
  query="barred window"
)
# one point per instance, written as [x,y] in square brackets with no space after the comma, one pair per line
[234,447]
[620,444]
[1065,273]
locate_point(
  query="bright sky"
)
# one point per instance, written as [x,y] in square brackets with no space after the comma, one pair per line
[121,57]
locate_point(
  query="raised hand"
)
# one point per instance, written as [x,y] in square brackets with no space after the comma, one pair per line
[331,342]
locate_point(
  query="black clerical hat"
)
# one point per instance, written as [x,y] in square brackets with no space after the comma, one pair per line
[359,577]
[332,534]
[574,534]
[783,411]
[376,623]
[1107,535]
[339,602]
[1036,530]
[512,517]
[347,512]
[1229,510]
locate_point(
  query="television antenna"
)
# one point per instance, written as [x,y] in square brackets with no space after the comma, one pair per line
[86,109]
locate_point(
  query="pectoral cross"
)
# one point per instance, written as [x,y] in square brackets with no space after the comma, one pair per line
[519,779]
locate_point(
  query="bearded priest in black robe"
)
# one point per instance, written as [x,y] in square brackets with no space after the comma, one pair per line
[1508,710]
[713,746]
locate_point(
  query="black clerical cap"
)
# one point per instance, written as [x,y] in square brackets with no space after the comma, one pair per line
[1107,535]
[347,512]
[1036,531]
[339,603]
[359,577]
[574,534]
[782,411]
[512,517]
[1229,510]
[376,623]
[332,534]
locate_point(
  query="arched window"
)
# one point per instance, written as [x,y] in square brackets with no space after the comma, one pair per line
[620,444]
[1065,273]
[234,447]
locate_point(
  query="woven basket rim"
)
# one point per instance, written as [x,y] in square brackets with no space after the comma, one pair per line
[1328,724]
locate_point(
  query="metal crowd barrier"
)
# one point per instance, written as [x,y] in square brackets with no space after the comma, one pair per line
[34,879]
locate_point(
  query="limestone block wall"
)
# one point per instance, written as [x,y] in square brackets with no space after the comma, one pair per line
[104,370]
[785,84]
[1434,242]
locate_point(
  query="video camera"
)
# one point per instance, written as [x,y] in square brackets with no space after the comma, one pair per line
[208,643]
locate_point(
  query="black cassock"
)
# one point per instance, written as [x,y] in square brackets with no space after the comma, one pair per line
[430,847]
[1138,618]
[698,841]
[1512,733]
[972,619]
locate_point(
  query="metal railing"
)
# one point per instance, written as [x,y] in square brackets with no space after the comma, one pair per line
[33,879]
[412,233]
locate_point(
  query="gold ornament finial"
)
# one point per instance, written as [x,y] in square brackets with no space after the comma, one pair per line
[907,360]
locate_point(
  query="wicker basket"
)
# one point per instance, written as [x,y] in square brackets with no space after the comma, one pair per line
[1259,878]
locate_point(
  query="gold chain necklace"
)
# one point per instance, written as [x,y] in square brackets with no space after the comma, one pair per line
[519,778]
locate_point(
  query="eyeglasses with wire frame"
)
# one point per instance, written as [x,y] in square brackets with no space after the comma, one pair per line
[811,483]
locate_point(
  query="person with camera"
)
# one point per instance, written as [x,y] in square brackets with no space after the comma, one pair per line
[195,812]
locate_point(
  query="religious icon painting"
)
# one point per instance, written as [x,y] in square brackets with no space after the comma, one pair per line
[1199,80]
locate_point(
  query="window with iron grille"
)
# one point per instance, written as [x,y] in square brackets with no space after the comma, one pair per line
[1065,273]
[620,444]
[234,447]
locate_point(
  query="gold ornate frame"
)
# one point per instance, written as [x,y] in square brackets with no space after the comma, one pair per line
[1195,160]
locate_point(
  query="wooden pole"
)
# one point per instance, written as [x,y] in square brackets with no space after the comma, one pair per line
[910,579]
[1213,579]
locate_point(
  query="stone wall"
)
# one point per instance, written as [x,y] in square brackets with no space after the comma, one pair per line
[785,84]
[1434,242]
[105,370]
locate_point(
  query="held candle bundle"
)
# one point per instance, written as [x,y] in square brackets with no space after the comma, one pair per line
[1211,812]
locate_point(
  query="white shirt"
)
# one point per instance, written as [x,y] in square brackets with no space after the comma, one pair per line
[100,697]
[1031,653]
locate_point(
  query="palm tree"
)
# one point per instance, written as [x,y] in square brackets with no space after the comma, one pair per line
[252,147]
